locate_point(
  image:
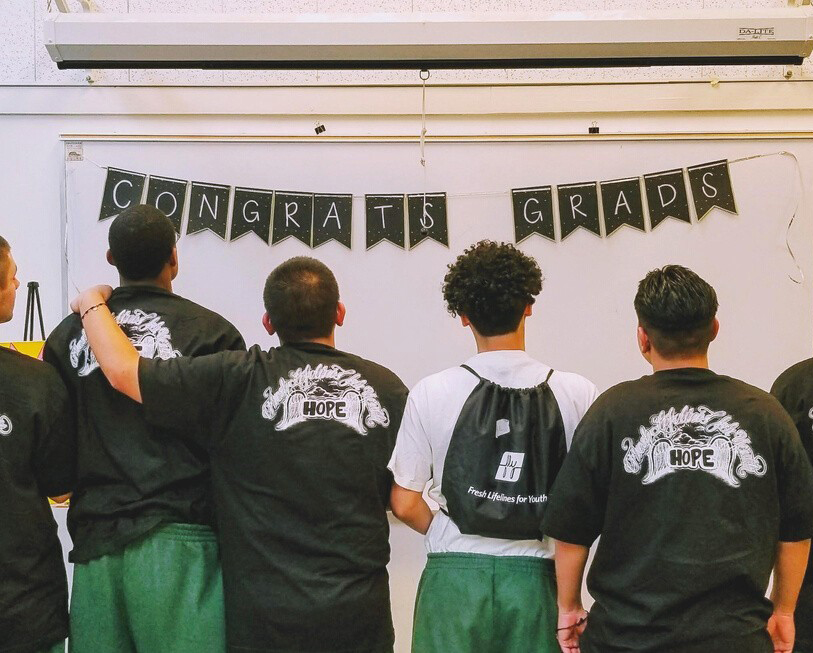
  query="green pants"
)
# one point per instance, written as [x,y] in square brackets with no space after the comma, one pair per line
[161,594]
[472,603]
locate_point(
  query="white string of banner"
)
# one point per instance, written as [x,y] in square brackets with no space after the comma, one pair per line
[799,181]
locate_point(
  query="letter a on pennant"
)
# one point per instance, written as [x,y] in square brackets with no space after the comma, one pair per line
[622,204]
[332,219]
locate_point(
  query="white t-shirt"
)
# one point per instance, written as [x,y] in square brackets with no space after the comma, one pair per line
[431,414]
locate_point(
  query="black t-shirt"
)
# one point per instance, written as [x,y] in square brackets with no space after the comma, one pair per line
[794,389]
[37,460]
[131,477]
[300,437]
[690,478]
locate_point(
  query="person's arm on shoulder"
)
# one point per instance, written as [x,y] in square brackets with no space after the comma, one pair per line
[570,560]
[411,465]
[117,357]
[788,574]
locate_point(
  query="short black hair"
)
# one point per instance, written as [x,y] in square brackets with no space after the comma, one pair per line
[676,308]
[141,239]
[301,296]
[491,284]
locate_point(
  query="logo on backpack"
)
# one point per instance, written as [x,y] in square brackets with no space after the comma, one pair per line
[5,425]
[510,467]
[503,427]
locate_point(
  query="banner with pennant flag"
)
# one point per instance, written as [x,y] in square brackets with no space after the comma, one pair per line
[553,212]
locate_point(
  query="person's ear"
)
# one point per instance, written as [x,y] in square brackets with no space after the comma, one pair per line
[644,343]
[464,320]
[715,328]
[529,309]
[341,312]
[268,326]
[109,257]
[173,262]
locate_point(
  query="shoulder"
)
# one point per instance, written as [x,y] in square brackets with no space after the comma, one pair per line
[440,386]
[376,374]
[68,328]
[34,375]
[618,397]
[198,312]
[574,385]
[759,402]
[796,375]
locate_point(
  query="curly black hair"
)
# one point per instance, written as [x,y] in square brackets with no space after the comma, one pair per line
[491,284]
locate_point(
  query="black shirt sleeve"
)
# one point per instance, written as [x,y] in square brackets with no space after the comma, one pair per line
[195,390]
[794,475]
[578,499]
[54,453]
[231,340]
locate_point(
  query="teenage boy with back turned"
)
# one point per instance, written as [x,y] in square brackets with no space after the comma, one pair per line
[794,390]
[146,570]
[37,460]
[299,437]
[699,487]
[488,437]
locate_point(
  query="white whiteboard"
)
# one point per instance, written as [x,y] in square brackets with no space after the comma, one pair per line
[583,321]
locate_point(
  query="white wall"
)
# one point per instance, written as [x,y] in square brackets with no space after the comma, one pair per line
[39,104]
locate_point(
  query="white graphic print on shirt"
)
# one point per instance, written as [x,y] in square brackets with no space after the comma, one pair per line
[327,393]
[5,425]
[146,331]
[698,439]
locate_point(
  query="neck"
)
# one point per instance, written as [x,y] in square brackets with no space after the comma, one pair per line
[330,341]
[514,340]
[161,281]
[660,364]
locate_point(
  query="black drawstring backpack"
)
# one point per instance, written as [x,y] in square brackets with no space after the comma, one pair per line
[506,450]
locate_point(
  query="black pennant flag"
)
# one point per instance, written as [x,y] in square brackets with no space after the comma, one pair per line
[427,218]
[293,216]
[621,200]
[208,208]
[666,197]
[121,189]
[533,212]
[251,212]
[578,207]
[711,187]
[168,195]
[332,219]
[385,219]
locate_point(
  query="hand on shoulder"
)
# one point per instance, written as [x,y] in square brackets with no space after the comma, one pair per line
[90,297]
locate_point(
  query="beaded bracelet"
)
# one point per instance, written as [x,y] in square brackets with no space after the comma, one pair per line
[92,308]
